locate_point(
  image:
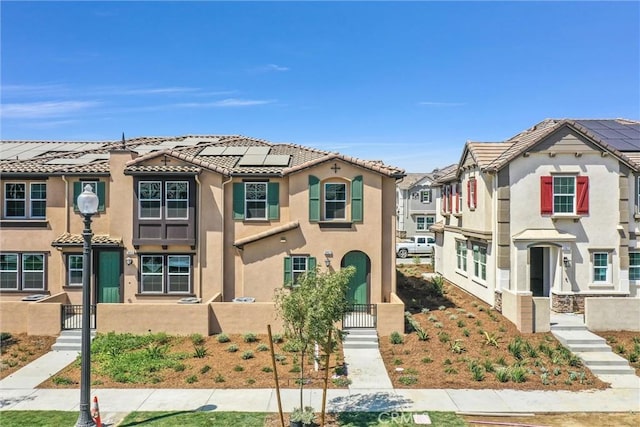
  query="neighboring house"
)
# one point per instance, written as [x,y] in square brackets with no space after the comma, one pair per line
[546,220]
[416,205]
[211,218]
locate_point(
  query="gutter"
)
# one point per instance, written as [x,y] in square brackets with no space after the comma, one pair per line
[66,204]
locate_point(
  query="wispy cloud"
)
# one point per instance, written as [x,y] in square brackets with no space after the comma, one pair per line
[229,102]
[270,68]
[441,104]
[36,110]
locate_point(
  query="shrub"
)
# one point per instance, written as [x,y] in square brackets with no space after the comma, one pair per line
[491,339]
[620,349]
[197,339]
[427,360]
[155,351]
[179,367]
[238,368]
[267,369]
[396,338]
[5,336]
[466,332]
[247,355]
[424,310]
[515,347]
[518,375]
[295,369]
[280,358]
[250,381]
[457,347]
[438,284]
[442,308]
[199,352]
[397,362]
[488,365]
[477,373]
[222,338]
[450,370]
[341,381]
[438,325]
[250,337]
[219,378]
[62,381]
[262,347]
[633,357]
[432,318]
[444,337]
[205,369]
[461,324]
[191,379]
[502,374]
[453,317]
[232,348]
[408,380]
[277,338]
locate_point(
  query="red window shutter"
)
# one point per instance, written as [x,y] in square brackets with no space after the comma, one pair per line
[457,197]
[582,204]
[474,183]
[450,199]
[469,193]
[546,195]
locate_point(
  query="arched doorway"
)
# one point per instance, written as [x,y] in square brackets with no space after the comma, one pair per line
[358,292]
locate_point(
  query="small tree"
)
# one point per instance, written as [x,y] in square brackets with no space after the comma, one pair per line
[311,307]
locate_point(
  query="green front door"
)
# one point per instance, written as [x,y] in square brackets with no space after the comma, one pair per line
[357,293]
[108,276]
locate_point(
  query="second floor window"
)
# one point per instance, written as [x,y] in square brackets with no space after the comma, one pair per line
[335,201]
[256,200]
[176,199]
[564,191]
[25,200]
[425,196]
[564,195]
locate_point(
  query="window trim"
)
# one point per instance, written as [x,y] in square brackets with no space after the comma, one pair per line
[68,269]
[325,201]
[169,274]
[7,199]
[32,199]
[164,274]
[167,200]
[573,195]
[477,262]
[425,196]
[607,267]
[22,271]
[141,200]
[265,201]
[461,258]
[635,266]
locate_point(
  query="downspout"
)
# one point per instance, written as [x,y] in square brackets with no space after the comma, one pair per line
[494,232]
[66,203]
[222,269]
[199,226]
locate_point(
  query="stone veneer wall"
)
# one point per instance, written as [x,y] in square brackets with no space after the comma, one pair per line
[497,301]
[572,303]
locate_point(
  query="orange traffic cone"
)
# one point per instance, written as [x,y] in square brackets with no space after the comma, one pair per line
[95,412]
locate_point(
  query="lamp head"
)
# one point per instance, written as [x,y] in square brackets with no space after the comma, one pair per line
[88,201]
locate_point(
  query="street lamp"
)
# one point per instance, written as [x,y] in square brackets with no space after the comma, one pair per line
[88,205]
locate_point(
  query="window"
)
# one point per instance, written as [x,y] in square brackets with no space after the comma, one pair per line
[335,201]
[172,270]
[472,193]
[425,196]
[297,265]
[601,267]
[424,222]
[332,204]
[480,262]
[177,199]
[461,255]
[74,270]
[24,271]
[446,199]
[564,195]
[150,199]
[634,265]
[256,200]
[20,203]
[458,188]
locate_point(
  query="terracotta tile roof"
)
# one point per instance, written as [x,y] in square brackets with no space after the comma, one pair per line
[86,158]
[484,153]
[446,174]
[68,239]
[412,179]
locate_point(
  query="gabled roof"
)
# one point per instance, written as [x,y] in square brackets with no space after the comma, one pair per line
[446,174]
[616,136]
[412,179]
[231,155]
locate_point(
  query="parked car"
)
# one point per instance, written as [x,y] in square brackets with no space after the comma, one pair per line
[416,245]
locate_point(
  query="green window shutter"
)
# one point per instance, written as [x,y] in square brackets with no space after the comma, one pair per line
[357,208]
[288,274]
[77,189]
[314,199]
[273,200]
[100,189]
[238,200]
[311,264]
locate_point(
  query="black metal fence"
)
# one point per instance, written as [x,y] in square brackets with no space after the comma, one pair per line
[72,317]
[360,316]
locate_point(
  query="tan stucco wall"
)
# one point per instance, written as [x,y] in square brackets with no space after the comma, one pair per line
[390,316]
[541,314]
[519,309]
[612,314]
[175,319]
[239,318]
[14,316]
[44,318]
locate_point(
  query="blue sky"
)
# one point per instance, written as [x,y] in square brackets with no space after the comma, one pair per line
[407,83]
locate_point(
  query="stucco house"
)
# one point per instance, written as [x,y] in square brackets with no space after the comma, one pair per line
[547,220]
[214,221]
[416,204]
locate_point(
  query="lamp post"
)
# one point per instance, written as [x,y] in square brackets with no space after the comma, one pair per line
[88,206]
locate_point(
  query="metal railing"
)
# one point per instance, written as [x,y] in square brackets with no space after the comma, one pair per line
[360,316]
[72,317]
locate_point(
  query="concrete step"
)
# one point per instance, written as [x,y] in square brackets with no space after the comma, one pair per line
[70,340]
[612,370]
[361,331]
[602,359]
[589,348]
[360,345]
[568,327]
[362,338]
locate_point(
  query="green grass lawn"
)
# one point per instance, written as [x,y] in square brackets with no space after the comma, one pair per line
[195,419]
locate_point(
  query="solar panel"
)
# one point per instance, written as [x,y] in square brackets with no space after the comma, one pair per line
[235,151]
[212,151]
[259,150]
[277,160]
[69,161]
[621,136]
[252,160]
